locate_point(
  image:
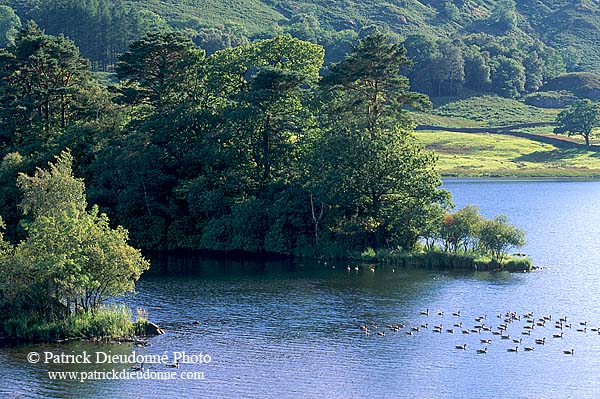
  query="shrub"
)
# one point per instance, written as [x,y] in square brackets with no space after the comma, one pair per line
[497,236]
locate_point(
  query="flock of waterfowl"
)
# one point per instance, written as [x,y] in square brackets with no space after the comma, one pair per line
[525,332]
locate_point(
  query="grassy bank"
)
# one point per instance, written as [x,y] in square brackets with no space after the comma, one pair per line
[492,136]
[447,261]
[484,154]
[111,322]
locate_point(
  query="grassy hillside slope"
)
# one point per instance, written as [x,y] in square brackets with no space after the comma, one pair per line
[484,136]
[484,154]
[572,27]
[252,15]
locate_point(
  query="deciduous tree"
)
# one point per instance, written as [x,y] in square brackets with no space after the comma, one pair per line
[71,259]
[579,120]
[497,236]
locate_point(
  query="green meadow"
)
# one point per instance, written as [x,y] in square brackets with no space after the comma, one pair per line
[485,154]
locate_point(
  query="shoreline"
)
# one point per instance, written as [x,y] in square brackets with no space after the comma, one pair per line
[521,178]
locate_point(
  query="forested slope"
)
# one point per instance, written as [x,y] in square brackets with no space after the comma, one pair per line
[102,28]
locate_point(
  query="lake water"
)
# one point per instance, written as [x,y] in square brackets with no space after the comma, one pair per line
[290,329]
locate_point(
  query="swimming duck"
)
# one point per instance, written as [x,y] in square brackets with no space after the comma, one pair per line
[135,367]
[173,365]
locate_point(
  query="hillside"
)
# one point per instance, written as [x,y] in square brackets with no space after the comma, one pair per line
[494,136]
[474,58]
[571,27]
[484,154]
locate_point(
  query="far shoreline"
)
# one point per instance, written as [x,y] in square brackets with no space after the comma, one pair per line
[557,179]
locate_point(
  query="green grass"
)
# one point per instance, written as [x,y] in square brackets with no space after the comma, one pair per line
[422,118]
[108,322]
[474,154]
[490,111]
[437,259]
[481,154]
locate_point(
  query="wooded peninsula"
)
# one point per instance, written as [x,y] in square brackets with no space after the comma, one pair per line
[253,149]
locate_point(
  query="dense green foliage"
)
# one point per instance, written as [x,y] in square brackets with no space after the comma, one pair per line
[46,86]
[71,261]
[499,46]
[246,149]
[508,65]
[366,162]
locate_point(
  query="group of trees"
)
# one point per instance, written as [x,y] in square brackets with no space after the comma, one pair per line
[103,29]
[466,231]
[505,61]
[244,149]
[252,148]
[506,65]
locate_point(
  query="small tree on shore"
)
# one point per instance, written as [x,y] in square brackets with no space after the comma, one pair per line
[72,260]
[459,230]
[497,236]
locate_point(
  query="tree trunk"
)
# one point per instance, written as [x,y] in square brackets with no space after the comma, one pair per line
[266,144]
[316,219]
[63,119]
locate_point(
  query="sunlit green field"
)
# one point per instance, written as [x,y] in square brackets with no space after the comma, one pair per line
[482,154]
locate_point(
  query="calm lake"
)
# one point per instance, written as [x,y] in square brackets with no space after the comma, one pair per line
[291,329]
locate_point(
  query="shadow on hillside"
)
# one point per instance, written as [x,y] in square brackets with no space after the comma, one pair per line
[556,155]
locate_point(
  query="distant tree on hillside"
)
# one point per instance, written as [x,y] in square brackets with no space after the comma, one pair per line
[579,120]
